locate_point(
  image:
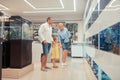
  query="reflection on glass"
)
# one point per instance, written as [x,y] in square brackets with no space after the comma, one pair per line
[0,27]
[88,58]
[15,28]
[103,4]
[95,69]
[20,28]
[73,28]
[88,8]
[93,17]
[93,41]
[110,39]
[104,76]
[95,14]
[27,31]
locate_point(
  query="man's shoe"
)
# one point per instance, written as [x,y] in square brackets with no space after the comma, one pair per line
[47,68]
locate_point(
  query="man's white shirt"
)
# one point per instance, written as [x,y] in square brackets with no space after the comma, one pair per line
[45,33]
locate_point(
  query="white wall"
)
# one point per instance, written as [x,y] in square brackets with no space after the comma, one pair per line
[108,61]
[80,32]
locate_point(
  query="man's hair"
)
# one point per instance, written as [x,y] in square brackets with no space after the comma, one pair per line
[49,18]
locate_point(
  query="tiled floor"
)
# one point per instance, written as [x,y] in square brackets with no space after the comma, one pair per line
[74,71]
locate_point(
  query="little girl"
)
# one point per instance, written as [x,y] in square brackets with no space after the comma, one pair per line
[55,52]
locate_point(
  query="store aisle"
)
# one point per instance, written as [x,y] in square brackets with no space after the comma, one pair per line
[74,71]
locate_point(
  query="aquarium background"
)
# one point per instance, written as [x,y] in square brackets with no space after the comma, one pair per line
[110,39]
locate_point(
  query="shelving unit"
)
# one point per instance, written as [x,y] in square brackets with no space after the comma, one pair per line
[1,40]
[35,31]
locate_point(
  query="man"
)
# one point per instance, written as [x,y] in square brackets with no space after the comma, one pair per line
[64,36]
[45,36]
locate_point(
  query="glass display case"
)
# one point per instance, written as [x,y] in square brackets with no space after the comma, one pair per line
[73,28]
[92,41]
[96,12]
[103,4]
[94,16]
[35,32]
[110,39]
[20,37]
[20,29]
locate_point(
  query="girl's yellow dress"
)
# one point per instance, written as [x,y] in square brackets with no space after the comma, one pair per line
[55,51]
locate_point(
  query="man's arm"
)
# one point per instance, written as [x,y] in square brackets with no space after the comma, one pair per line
[40,33]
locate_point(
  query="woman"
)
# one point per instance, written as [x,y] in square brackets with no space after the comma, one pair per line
[64,39]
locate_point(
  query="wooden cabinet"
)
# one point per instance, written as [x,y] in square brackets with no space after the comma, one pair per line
[20,53]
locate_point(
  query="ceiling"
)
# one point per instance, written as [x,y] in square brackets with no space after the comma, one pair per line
[39,10]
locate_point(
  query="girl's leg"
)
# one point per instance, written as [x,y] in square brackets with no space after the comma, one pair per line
[53,61]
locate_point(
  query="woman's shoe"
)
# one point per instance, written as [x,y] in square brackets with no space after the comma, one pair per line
[43,69]
[64,64]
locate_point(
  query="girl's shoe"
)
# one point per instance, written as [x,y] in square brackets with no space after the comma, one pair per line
[55,66]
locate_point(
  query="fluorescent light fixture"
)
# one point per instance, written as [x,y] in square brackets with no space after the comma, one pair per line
[48,11]
[116,9]
[111,7]
[111,4]
[74,3]
[61,2]
[74,10]
[5,8]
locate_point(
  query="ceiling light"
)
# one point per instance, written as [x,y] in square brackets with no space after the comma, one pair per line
[5,8]
[48,11]
[74,10]
[111,4]
[61,2]
[112,7]
[74,5]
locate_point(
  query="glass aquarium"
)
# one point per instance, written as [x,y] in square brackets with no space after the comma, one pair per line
[27,31]
[99,73]
[93,17]
[110,39]
[104,76]
[103,4]
[95,69]
[20,28]
[1,27]
[93,41]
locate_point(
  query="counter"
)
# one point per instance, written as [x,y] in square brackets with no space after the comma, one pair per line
[77,50]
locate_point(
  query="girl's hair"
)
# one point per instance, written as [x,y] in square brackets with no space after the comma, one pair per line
[54,38]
